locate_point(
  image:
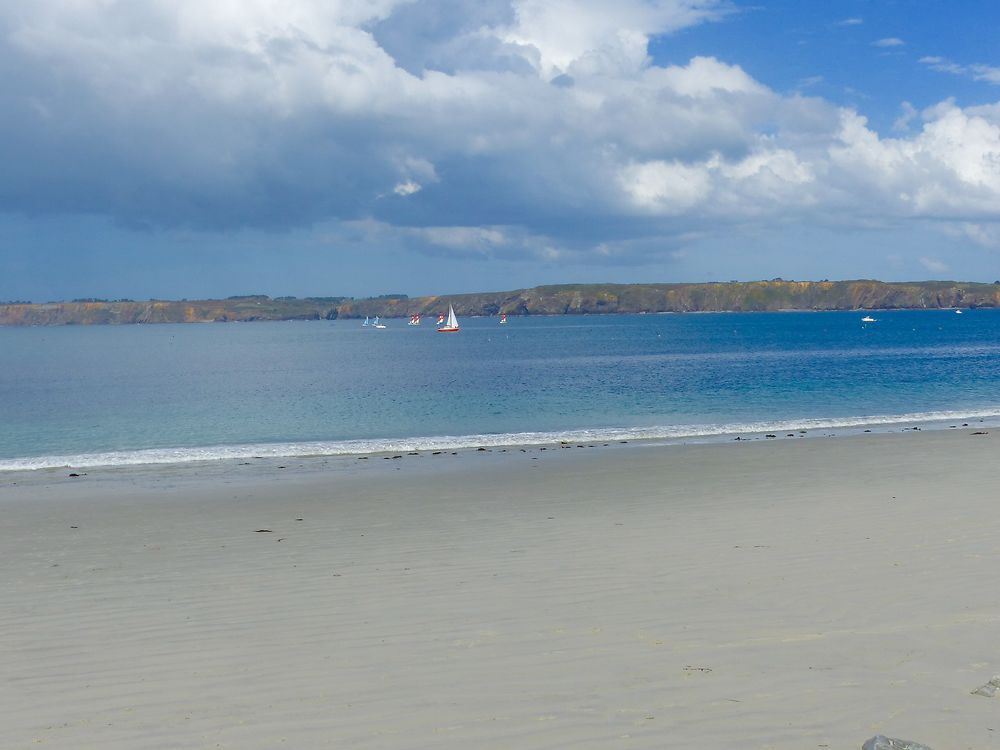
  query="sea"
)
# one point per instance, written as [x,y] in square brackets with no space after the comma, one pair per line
[115,395]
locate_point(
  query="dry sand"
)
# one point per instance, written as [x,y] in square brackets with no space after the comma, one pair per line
[787,594]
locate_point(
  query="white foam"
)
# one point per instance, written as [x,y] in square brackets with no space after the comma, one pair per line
[671,433]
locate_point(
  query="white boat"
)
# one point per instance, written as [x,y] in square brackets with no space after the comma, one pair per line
[503,319]
[868,319]
[450,325]
[958,312]
[377,324]
[414,320]
[366,323]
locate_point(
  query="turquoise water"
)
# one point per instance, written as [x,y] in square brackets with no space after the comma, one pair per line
[97,395]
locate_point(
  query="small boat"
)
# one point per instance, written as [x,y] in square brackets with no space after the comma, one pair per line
[414,320]
[868,319]
[958,312]
[503,319]
[451,325]
[440,318]
[378,324]
[366,323]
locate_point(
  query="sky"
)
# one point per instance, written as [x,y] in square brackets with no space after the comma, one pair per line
[187,149]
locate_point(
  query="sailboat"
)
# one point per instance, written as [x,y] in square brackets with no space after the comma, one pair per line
[366,323]
[440,318]
[451,325]
[414,320]
[377,324]
[503,319]
[868,319]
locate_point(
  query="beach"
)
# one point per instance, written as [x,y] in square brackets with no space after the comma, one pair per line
[786,593]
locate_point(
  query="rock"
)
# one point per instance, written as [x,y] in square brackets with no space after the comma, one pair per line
[989,689]
[881,742]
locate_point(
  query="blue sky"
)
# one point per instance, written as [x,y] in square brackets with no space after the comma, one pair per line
[176,148]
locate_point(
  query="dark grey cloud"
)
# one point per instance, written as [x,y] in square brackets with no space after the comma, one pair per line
[522,128]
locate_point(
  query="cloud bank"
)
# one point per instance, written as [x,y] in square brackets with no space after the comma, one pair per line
[539,128]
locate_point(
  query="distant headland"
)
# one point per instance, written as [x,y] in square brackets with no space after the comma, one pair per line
[559,299]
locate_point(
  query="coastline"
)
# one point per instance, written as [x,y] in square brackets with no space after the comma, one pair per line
[559,299]
[771,593]
[602,436]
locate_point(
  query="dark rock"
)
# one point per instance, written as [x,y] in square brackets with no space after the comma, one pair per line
[881,742]
[263,531]
[989,689]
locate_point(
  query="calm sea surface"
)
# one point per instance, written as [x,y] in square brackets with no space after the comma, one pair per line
[130,394]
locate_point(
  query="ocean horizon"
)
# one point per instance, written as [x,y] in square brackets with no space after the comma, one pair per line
[124,395]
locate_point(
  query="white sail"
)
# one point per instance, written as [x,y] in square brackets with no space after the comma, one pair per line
[451,325]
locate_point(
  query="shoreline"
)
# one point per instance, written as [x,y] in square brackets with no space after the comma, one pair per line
[768,594]
[665,436]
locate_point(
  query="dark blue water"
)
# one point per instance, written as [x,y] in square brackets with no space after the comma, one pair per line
[177,392]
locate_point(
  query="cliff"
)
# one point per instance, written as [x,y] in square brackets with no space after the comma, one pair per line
[255,307]
[563,299]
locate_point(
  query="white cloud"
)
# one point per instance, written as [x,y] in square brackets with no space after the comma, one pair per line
[463,238]
[977,72]
[907,113]
[854,21]
[889,42]
[983,234]
[248,114]
[598,35]
[665,188]
[407,188]
[934,265]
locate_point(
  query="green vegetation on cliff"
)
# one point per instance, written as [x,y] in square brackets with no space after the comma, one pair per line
[257,307]
[562,299]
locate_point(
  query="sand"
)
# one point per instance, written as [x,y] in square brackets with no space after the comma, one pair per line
[780,594]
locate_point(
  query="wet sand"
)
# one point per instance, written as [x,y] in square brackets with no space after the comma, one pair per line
[778,594]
